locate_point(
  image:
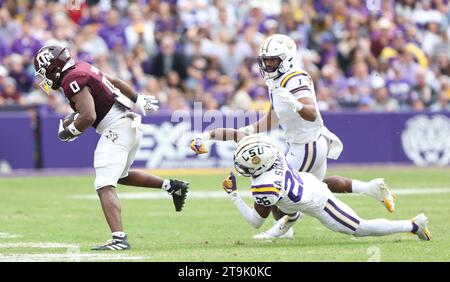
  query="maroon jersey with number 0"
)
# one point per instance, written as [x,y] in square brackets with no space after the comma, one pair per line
[86,75]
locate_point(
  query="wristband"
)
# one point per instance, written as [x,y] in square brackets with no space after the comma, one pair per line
[72,129]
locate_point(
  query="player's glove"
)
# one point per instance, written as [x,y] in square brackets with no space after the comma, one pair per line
[67,134]
[198,146]
[146,103]
[289,99]
[229,184]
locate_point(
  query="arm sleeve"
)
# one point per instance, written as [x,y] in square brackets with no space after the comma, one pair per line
[250,215]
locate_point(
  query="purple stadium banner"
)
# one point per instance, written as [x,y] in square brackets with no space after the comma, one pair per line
[398,138]
[17,141]
[419,138]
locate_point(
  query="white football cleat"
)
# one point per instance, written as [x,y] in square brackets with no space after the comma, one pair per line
[381,192]
[421,221]
[289,234]
[275,233]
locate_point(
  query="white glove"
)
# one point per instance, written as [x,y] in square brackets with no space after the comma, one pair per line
[64,134]
[289,99]
[146,103]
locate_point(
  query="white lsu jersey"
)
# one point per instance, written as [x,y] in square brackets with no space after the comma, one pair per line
[297,130]
[289,190]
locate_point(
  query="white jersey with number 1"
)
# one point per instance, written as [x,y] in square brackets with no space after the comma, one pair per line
[297,129]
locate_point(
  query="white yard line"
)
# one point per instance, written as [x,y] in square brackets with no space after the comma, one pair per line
[38,245]
[221,194]
[72,253]
[4,235]
[66,257]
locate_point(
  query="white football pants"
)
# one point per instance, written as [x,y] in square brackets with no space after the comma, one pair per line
[115,152]
[311,157]
[338,216]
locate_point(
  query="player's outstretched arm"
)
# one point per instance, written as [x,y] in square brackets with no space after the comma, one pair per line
[266,123]
[225,134]
[255,217]
[220,134]
[124,87]
[145,103]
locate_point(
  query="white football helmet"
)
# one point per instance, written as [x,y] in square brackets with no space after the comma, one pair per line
[254,155]
[277,46]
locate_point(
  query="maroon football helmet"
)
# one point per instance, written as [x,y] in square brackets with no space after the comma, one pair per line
[49,63]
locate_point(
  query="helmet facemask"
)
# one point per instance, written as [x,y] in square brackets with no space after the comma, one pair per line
[279,47]
[244,171]
[273,72]
[46,84]
[49,64]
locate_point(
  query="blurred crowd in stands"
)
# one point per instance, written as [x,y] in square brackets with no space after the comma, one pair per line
[377,55]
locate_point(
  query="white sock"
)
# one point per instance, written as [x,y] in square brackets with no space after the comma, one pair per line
[381,226]
[120,234]
[360,187]
[166,185]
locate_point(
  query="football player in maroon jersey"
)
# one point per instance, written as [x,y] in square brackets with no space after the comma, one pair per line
[104,103]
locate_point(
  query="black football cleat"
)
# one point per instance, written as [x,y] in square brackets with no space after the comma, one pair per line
[178,190]
[115,244]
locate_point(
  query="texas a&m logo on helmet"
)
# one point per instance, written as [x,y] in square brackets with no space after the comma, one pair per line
[49,63]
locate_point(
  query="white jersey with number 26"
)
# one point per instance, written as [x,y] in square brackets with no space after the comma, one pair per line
[288,189]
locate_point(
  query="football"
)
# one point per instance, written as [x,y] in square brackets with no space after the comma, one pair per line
[70,118]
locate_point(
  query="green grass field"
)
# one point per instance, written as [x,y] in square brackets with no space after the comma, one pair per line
[49,218]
